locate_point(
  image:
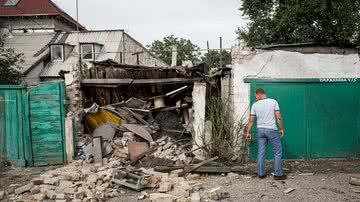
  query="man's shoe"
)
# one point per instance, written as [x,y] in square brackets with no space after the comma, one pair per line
[262,177]
[283,177]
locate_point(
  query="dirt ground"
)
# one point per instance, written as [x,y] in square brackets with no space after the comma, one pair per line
[329,182]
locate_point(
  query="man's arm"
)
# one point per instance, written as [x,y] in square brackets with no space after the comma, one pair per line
[280,122]
[250,125]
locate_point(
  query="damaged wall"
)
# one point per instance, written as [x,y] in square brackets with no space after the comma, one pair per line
[249,63]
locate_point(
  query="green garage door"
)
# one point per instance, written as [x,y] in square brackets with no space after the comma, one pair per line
[321,120]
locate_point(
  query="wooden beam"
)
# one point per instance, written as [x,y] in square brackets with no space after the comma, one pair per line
[119,82]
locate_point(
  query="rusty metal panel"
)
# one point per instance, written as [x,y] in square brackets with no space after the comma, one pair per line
[47,123]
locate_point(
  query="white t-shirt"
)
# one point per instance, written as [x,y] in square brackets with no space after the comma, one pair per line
[264,110]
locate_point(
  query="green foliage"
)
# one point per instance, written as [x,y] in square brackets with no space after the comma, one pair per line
[8,64]
[301,21]
[185,48]
[212,58]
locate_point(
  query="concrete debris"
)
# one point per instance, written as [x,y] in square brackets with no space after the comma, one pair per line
[165,187]
[137,148]
[135,103]
[106,132]
[289,190]
[161,197]
[195,197]
[140,131]
[355,181]
[354,190]
[306,174]
[2,195]
[24,189]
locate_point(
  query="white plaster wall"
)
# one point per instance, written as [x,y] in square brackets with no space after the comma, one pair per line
[199,103]
[283,64]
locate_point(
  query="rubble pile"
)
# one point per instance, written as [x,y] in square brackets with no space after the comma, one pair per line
[133,127]
[77,181]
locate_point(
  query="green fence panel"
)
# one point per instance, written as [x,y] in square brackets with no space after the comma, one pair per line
[13,125]
[47,115]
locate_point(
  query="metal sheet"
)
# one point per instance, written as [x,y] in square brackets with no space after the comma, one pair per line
[321,120]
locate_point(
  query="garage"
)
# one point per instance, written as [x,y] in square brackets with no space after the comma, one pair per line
[321,116]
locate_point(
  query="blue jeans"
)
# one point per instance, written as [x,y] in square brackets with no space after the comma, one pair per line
[265,135]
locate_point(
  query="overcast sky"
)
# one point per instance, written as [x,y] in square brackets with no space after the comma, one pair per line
[148,20]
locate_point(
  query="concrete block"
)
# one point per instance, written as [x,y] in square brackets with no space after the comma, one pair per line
[35,190]
[51,181]
[24,189]
[195,197]
[160,197]
[50,194]
[80,195]
[37,181]
[2,195]
[60,196]
[39,197]
[11,188]
[165,187]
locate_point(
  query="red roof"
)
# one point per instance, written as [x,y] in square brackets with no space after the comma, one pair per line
[35,8]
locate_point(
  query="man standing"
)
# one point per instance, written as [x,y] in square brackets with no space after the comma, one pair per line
[265,110]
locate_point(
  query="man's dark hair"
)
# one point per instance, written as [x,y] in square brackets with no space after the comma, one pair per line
[260,91]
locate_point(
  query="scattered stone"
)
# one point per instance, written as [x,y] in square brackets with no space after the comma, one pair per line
[165,187]
[195,197]
[37,181]
[233,175]
[65,183]
[50,194]
[143,195]
[289,190]
[79,195]
[51,181]
[11,188]
[354,181]
[60,196]
[35,190]
[193,177]
[39,196]
[2,195]
[161,197]
[306,174]
[23,189]
[356,191]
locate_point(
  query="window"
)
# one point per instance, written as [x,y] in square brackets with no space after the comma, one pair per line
[57,52]
[87,51]
[11,2]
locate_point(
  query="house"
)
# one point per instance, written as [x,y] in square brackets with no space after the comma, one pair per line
[317,88]
[35,16]
[45,35]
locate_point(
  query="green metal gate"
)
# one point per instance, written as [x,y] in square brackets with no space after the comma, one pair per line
[321,117]
[47,120]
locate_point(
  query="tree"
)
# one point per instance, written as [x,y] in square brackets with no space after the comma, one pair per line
[9,61]
[186,50]
[212,58]
[301,21]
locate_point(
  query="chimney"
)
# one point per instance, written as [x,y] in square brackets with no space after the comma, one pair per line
[174,56]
